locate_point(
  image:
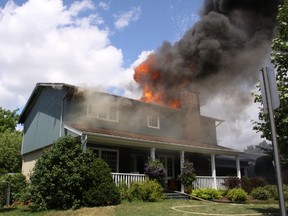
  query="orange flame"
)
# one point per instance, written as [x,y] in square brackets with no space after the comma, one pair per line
[149,79]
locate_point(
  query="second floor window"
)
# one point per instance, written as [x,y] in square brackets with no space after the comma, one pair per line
[104,113]
[153,121]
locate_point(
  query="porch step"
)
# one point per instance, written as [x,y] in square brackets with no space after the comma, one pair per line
[176,195]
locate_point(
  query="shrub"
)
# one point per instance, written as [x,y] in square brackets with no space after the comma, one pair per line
[249,184]
[260,193]
[63,175]
[257,181]
[187,176]
[18,186]
[207,193]
[245,184]
[135,191]
[272,190]
[3,192]
[148,191]
[101,187]
[124,192]
[231,182]
[155,170]
[237,195]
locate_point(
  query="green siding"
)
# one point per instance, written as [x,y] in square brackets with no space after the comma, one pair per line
[42,125]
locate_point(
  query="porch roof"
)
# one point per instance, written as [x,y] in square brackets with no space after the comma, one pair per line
[148,141]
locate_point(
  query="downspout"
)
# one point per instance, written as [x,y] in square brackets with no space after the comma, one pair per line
[62,110]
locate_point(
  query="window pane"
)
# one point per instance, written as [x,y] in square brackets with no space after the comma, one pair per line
[153,121]
[110,157]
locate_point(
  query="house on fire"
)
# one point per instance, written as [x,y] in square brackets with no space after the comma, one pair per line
[126,133]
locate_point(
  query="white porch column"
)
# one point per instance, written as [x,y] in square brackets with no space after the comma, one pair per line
[182,159]
[213,170]
[152,153]
[238,167]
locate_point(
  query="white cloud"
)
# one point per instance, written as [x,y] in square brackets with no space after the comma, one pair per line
[104,5]
[44,41]
[125,18]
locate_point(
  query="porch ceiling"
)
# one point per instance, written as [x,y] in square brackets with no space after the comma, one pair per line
[148,141]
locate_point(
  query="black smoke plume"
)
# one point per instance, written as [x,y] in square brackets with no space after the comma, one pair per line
[221,53]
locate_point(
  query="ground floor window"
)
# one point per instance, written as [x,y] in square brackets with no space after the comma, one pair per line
[110,156]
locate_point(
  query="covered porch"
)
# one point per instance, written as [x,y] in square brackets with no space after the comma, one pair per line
[127,153]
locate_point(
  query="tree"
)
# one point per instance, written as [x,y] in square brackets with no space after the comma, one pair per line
[261,148]
[10,151]
[280,60]
[10,142]
[8,120]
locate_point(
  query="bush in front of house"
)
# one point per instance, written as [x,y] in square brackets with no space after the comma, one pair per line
[248,184]
[272,190]
[124,191]
[187,176]
[155,170]
[208,193]
[231,182]
[101,189]
[260,193]
[148,191]
[237,195]
[64,173]
[18,188]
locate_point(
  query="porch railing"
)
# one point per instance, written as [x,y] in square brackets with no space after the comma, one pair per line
[201,182]
[207,182]
[127,178]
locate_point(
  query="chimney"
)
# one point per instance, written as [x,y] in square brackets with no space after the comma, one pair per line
[192,129]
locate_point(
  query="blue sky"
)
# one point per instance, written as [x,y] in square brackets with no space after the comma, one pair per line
[96,44]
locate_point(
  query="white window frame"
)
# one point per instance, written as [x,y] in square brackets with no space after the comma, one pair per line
[165,165]
[107,111]
[111,150]
[149,117]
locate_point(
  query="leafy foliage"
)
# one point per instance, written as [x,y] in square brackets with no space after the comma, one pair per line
[187,175]
[155,170]
[248,184]
[102,189]
[280,60]
[207,193]
[260,193]
[262,147]
[8,120]
[64,175]
[148,191]
[231,182]
[10,151]
[18,186]
[237,195]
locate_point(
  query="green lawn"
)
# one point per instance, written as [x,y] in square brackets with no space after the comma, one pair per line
[165,207]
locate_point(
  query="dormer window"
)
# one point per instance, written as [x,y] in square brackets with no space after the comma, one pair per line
[153,121]
[104,113]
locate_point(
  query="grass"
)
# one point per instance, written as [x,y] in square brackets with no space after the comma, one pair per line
[165,207]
